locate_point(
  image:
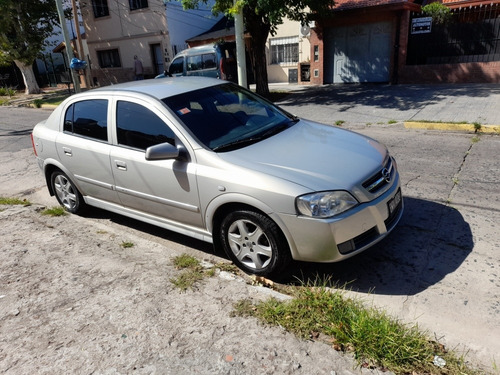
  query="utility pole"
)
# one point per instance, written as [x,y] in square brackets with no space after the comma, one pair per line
[67,41]
[239,31]
[81,52]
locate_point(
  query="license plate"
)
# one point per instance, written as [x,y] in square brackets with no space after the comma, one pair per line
[394,202]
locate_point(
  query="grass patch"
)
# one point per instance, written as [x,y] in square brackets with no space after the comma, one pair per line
[127,244]
[193,271]
[375,339]
[187,279]
[186,261]
[7,91]
[339,122]
[55,211]
[391,122]
[14,201]
[38,103]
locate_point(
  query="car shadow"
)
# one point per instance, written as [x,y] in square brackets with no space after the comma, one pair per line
[431,241]
[154,231]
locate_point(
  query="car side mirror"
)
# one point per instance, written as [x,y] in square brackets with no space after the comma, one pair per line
[162,151]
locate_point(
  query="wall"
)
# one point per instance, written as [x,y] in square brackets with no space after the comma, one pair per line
[279,73]
[132,33]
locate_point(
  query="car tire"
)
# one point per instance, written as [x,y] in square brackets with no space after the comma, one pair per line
[66,193]
[255,243]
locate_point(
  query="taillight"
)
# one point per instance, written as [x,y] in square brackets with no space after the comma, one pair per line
[33,144]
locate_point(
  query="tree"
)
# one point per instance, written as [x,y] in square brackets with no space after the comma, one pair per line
[25,25]
[261,18]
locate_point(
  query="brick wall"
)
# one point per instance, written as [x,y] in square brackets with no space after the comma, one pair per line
[487,72]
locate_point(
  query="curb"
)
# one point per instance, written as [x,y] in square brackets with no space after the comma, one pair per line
[452,126]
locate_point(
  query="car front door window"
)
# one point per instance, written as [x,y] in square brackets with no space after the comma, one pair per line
[138,127]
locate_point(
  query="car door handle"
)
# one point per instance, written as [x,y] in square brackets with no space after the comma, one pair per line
[67,151]
[121,165]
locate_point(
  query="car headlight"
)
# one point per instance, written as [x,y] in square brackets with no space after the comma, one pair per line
[325,204]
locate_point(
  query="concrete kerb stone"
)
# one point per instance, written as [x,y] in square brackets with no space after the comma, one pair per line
[495,129]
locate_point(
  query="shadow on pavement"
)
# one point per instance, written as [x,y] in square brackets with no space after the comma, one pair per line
[431,241]
[394,97]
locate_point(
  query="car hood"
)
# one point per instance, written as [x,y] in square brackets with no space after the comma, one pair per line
[316,156]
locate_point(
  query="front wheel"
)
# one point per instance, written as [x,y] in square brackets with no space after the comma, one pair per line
[254,243]
[66,192]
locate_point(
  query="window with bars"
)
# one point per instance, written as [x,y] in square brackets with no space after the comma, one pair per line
[100,8]
[285,50]
[109,58]
[138,4]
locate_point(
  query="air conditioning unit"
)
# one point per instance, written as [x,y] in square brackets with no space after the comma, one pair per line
[305,30]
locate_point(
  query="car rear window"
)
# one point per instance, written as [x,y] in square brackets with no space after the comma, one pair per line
[88,118]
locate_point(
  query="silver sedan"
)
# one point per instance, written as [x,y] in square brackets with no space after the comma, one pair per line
[211,160]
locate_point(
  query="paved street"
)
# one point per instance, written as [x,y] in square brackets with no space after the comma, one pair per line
[440,267]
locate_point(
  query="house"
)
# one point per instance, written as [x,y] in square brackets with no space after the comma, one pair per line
[377,41]
[118,30]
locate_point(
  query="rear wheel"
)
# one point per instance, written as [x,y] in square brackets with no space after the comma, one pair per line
[254,243]
[66,192]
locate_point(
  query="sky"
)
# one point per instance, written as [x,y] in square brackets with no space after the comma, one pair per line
[184,24]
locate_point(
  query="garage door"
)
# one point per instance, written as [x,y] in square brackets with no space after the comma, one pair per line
[360,53]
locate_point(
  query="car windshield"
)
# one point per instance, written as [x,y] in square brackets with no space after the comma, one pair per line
[227,117]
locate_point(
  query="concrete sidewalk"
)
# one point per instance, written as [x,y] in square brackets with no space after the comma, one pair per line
[441,104]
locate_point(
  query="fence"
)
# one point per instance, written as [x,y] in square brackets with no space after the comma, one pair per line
[472,35]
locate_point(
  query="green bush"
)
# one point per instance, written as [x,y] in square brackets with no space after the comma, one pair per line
[440,13]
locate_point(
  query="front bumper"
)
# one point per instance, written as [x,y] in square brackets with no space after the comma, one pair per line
[338,238]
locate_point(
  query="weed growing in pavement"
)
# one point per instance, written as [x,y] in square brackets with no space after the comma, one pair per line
[391,122]
[339,122]
[38,103]
[55,211]
[475,139]
[477,126]
[375,339]
[127,244]
[455,180]
[14,201]
[193,271]
[185,261]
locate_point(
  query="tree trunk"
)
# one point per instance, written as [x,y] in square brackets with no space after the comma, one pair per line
[28,77]
[259,63]
[259,32]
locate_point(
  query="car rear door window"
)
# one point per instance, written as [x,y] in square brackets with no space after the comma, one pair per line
[88,118]
[138,127]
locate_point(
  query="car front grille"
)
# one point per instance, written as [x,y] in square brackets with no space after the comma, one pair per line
[381,179]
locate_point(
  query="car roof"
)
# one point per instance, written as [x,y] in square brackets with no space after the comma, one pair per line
[162,88]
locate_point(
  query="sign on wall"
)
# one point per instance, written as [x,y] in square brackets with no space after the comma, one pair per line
[421,25]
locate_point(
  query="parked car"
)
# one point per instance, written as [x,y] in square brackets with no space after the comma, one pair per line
[213,60]
[211,160]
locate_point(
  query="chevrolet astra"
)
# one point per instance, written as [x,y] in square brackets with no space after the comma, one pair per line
[210,159]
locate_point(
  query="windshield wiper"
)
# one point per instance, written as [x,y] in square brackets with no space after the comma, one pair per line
[248,141]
